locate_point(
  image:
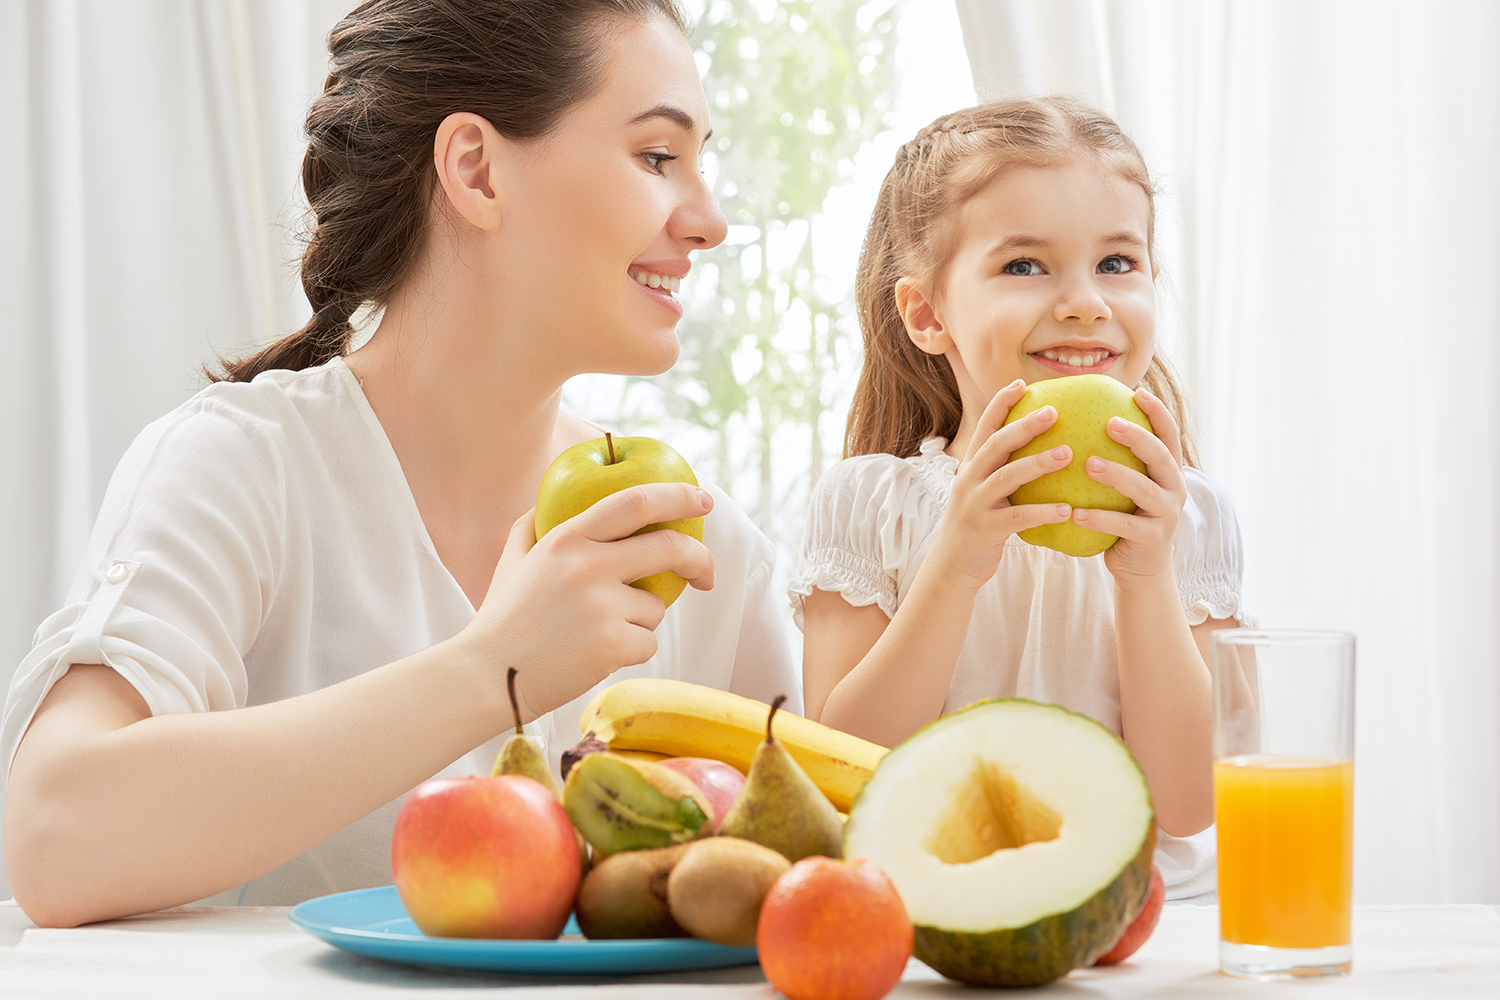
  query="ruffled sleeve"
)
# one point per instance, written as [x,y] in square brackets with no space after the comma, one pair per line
[868,521]
[1209,558]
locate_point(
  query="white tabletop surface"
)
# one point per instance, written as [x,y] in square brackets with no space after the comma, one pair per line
[1405,952]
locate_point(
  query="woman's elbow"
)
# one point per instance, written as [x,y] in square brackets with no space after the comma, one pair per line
[39,869]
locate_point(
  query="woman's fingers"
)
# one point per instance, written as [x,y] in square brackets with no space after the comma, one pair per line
[659,551]
[622,514]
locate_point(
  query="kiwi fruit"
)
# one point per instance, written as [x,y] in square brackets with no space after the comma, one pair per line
[716,888]
[625,896]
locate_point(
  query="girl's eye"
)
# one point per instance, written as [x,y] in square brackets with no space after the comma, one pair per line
[1023,268]
[1117,264]
[655,160]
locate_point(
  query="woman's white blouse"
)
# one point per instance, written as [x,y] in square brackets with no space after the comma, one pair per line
[1043,627]
[261,542]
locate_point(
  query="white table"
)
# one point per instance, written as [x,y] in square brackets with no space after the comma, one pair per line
[1406,952]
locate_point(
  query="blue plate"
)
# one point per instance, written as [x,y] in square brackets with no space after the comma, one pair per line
[373,922]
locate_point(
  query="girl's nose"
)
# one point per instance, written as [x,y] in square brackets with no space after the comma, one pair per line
[698,219]
[1080,302]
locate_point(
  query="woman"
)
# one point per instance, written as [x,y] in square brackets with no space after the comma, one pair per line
[307,584]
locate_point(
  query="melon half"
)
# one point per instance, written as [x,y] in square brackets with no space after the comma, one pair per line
[1019,836]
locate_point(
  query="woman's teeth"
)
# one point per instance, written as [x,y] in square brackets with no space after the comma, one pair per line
[664,282]
[1077,360]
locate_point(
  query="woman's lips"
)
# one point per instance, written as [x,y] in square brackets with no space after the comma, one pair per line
[660,287]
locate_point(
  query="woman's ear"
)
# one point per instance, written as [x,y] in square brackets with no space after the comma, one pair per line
[469,156]
[919,313]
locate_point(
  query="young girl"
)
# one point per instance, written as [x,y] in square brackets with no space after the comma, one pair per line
[1012,242]
[306,584]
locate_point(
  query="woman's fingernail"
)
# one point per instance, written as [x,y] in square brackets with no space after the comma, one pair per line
[1046,415]
[1080,515]
[706,498]
[1095,464]
[1063,510]
[1060,453]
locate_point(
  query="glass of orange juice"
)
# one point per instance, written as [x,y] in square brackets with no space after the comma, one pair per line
[1284,801]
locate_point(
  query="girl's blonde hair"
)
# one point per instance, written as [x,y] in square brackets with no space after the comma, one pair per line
[905,394]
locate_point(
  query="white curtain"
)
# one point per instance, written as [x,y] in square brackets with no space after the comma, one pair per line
[1331,238]
[148,193]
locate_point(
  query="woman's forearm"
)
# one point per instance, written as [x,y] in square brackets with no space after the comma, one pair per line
[1165,702]
[110,813]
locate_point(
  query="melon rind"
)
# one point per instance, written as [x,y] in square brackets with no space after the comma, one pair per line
[1048,948]
[1051,945]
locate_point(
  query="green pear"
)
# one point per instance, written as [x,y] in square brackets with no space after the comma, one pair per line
[1084,404]
[781,808]
[519,755]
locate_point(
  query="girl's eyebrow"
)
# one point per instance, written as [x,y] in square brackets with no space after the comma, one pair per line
[1011,244]
[673,114]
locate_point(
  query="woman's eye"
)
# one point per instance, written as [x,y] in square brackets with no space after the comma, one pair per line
[655,160]
[1023,268]
[1116,264]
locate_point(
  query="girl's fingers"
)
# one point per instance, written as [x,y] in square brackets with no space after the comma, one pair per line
[1147,494]
[1114,522]
[993,418]
[1031,515]
[996,449]
[1009,477]
[1163,465]
[1162,422]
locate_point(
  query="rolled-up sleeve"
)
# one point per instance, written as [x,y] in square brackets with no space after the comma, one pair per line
[179,572]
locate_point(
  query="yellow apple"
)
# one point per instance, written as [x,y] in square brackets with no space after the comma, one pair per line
[588,472]
[1084,404]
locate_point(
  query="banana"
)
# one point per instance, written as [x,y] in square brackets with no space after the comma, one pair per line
[679,719]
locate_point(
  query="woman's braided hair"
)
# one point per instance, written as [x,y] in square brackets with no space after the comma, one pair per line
[905,394]
[397,69]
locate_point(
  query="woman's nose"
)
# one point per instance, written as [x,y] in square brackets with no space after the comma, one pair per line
[699,219]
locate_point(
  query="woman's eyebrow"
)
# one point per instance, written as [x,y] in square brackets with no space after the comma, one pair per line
[673,114]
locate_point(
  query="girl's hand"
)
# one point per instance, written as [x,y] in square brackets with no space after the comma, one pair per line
[562,609]
[980,516]
[1145,545]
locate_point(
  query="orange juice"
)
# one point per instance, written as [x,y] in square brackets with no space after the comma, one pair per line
[1285,828]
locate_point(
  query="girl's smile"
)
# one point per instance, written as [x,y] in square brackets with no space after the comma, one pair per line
[1049,275]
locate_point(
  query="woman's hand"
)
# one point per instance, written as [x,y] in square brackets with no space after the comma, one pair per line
[1145,545]
[562,609]
[980,517]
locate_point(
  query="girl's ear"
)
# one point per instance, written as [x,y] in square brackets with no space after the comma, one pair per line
[469,156]
[923,324]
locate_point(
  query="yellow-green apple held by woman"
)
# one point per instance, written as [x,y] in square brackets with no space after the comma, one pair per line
[590,471]
[1084,404]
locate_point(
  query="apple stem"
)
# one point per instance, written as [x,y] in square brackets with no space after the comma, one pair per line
[510,685]
[609,442]
[774,706]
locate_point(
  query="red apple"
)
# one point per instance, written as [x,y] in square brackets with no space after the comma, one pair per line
[1141,927]
[485,858]
[721,783]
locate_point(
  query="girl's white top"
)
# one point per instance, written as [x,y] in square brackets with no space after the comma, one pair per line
[261,541]
[1043,627]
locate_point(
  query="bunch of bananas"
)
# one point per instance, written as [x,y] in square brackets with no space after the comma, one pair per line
[678,719]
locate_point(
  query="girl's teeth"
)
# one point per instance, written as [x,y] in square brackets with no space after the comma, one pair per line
[1076,360]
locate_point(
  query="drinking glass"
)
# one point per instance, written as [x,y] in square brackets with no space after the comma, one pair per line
[1284,801]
